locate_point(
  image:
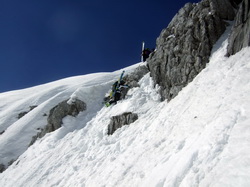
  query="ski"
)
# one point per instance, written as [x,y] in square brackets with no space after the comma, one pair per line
[119,81]
[143,46]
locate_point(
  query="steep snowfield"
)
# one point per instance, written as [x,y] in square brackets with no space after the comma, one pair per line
[200,138]
[18,133]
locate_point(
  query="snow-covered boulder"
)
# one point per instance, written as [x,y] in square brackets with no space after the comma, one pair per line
[64,109]
[57,114]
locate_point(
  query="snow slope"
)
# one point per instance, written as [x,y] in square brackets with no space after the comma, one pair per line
[200,138]
[18,133]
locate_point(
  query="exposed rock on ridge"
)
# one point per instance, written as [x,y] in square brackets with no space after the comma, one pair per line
[20,115]
[184,47]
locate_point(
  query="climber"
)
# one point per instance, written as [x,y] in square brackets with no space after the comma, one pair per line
[118,92]
[145,54]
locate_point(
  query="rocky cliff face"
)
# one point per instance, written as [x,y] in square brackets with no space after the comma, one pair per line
[240,36]
[184,47]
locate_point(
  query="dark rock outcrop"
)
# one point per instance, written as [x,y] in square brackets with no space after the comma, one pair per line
[62,110]
[184,47]
[2,168]
[57,114]
[240,36]
[21,114]
[121,120]
[133,78]
[235,3]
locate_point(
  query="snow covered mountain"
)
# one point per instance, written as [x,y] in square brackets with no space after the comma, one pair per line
[199,138]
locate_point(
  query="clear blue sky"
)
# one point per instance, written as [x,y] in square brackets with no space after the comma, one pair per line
[46,40]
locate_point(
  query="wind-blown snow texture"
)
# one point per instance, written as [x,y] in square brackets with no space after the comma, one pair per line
[200,138]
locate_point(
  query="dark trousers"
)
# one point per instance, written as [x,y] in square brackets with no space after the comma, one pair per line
[116,98]
[145,57]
